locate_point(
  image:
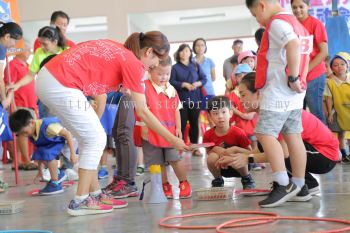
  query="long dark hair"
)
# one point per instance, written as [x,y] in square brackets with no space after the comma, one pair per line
[153,39]
[177,53]
[53,34]
[249,81]
[11,28]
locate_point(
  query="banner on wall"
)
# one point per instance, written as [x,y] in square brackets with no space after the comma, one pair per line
[322,9]
[9,13]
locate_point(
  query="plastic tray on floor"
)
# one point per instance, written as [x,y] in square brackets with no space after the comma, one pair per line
[215,193]
[11,207]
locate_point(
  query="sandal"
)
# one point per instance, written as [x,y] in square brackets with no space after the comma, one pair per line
[196,153]
[20,167]
[30,167]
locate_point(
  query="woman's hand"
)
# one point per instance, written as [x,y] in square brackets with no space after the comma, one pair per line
[178,133]
[179,144]
[188,86]
[197,84]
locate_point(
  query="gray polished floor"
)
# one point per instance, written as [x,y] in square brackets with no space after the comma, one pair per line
[49,213]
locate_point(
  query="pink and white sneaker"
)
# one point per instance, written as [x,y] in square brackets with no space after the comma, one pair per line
[108,199]
[88,206]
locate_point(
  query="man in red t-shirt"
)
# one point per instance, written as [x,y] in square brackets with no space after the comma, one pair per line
[61,20]
[225,137]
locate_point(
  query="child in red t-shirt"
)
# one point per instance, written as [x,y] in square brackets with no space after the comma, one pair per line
[24,97]
[226,139]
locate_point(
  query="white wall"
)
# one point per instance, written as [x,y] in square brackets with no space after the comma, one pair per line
[118,11]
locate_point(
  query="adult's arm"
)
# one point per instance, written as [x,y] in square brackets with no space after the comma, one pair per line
[321,55]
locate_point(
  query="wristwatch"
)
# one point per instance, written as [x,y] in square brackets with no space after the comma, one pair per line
[251,158]
[292,79]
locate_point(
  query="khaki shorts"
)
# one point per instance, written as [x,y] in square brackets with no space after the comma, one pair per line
[158,156]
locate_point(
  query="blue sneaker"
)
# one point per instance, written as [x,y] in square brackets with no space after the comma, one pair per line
[102,173]
[51,188]
[61,176]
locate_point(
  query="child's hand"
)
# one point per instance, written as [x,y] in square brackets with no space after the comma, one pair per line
[223,162]
[73,158]
[39,176]
[330,118]
[248,116]
[178,133]
[296,86]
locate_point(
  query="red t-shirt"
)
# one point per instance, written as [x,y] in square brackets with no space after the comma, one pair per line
[315,28]
[234,137]
[319,136]
[70,44]
[24,96]
[97,67]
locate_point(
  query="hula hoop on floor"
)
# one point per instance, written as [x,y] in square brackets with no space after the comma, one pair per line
[234,221]
[269,219]
[25,231]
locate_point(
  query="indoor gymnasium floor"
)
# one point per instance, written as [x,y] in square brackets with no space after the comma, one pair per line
[49,212]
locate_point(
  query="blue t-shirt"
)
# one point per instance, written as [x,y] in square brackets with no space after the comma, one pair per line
[207,65]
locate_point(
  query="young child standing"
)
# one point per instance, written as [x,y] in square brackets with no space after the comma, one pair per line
[338,101]
[225,138]
[281,72]
[164,103]
[49,137]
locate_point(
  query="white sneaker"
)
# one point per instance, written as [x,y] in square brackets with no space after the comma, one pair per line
[71,174]
[46,175]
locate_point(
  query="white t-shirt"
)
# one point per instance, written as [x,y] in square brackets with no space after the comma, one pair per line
[276,95]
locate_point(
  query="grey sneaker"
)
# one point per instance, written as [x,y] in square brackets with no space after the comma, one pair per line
[302,196]
[280,194]
[248,182]
[128,190]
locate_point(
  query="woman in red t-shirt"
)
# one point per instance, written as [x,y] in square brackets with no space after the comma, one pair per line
[321,145]
[94,68]
[316,78]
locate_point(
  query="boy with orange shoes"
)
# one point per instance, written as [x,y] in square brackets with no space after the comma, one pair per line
[163,102]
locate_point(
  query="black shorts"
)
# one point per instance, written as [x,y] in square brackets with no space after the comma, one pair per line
[231,172]
[316,162]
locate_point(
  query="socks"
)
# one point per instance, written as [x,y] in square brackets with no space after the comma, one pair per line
[96,193]
[281,178]
[80,199]
[55,182]
[104,167]
[300,182]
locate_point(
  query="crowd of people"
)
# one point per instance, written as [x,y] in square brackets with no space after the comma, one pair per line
[284,104]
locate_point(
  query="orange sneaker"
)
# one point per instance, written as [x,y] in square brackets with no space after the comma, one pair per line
[168,191]
[185,189]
